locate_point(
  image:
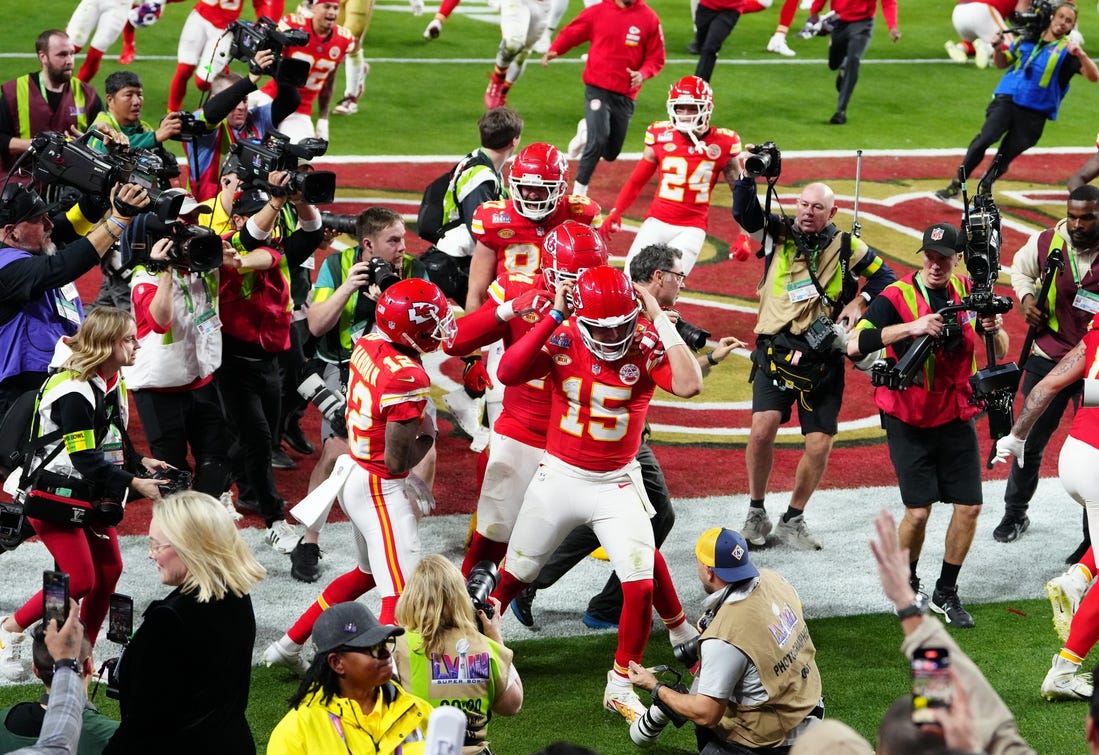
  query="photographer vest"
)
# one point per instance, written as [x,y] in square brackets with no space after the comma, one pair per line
[255,306]
[1034,79]
[769,628]
[1067,323]
[945,392]
[31,112]
[111,413]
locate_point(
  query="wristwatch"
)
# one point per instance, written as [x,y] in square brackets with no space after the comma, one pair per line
[918,607]
[71,663]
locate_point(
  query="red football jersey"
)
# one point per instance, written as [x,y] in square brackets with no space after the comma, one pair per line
[221,13]
[598,408]
[1085,424]
[322,53]
[385,386]
[517,240]
[688,174]
[1005,7]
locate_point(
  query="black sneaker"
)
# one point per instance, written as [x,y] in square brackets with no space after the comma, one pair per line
[951,191]
[521,606]
[838,118]
[304,559]
[946,602]
[279,460]
[914,582]
[295,438]
[1011,527]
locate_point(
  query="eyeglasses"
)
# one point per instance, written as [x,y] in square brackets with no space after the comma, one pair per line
[381,651]
[155,547]
[681,278]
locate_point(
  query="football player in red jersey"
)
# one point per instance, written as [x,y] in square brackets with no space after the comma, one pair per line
[203,40]
[327,46]
[602,366]
[389,431]
[509,232]
[516,302]
[691,155]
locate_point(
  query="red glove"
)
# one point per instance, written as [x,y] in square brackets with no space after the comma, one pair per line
[533,301]
[611,224]
[475,376]
[741,249]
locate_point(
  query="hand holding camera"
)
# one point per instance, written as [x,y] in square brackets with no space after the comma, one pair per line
[129,199]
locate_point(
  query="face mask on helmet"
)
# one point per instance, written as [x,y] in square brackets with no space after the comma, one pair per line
[606,312]
[537,181]
[415,313]
[697,95]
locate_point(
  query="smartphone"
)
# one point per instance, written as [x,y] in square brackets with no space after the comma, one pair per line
[55,596]
[932,685]
[120,621]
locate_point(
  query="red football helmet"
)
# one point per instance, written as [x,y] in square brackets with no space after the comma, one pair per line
[606,311]
[538,167]
[691,90]
[570,249]
[414,312]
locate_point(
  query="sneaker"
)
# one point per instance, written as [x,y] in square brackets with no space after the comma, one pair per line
[947,603]
[282,537]
[777,44]
[14,654]
[1010,527]
[756,527]
[127,56]
[1063,683]
[591,621]
[956,52]
[467,411]
[838,118]
[433,30]
[796,533]
[279,460]
[346,106]
[619,697]
[416,6]
[522,604]
[275,655]
[951,191]
[247,505]
[578,142]
[1065,593]
[226,500]
[295,438]
[496,95]
[304,562]
[914,583]
[982,52]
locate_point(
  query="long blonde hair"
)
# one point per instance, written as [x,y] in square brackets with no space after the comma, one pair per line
[435,601]
[94,342]
[206,540]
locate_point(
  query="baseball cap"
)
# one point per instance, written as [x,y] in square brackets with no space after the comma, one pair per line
[350,625]
[250,202]
[190,204]
[941,238]
[830,737]
[726,552]
[18,204]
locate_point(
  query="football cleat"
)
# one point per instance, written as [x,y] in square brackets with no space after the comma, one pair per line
[433,30]
[777,44]
[496,94]
[275,655]
[619,697]
[1063,683]
[346,106]
[1065,593]
[14,654]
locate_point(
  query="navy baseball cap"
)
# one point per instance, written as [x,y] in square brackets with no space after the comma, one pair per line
[350,625]
[726,552]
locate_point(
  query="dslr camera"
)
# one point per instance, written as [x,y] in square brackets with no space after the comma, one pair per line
[264,34]
[766,161]
[194,249]
[647,728]
[331,404]
[825,336]
[341,223]
[692,335]
[190,127]
[480,584]
[275,152]
[382,274]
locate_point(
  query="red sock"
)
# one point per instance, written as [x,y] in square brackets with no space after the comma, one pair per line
[343,588]
[1088,561]
[128,40]
[635,623]
[91,65]
[389,610]
[786,15]
[1084,631]
[202,84]
[665,598]
[178,89]
[447,7]
[508,588]
[482,549]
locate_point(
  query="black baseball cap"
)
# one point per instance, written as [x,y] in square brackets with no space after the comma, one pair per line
[250,202]
[941,238]
[18,204]
[350,625]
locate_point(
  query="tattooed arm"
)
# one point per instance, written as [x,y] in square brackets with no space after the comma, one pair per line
[1068,370]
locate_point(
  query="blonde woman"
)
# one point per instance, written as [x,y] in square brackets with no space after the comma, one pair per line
[183,680]
[444,658]
[84,404]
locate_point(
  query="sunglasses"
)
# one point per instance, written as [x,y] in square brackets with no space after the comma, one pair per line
[381,651]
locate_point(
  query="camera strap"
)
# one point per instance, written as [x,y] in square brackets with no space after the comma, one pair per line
[835,306]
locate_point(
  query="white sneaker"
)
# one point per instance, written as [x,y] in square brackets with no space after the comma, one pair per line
[346,106]
[685,632]
[982,52]
[541,47]
[777,44]
[467,411]
[578,142]
[416,6]
[956,52]
[1063,683]
[321,129]
[619,697]
[14,654]
[276,655]
[1065,593]
[756,527]
[282,537]
[796,533]
[226,500]
[433,30]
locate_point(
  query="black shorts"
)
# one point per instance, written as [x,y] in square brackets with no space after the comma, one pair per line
[825,401]
[935,463]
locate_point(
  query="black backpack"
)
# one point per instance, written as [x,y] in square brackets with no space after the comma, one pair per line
[429,220]
[17,428]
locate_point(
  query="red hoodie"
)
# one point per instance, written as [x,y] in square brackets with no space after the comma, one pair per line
[859,10]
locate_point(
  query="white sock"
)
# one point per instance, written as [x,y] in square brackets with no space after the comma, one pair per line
[355,75]
[579,189]
[289,645]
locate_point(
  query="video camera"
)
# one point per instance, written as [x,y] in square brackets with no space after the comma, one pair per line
[275,152]
[766,160]
[71,162]
[1030,24]
[263,34]
[194,249]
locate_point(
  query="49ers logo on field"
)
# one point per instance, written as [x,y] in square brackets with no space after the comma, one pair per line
[423,312]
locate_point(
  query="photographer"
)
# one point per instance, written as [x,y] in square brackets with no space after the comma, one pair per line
[441,623]
[754,690]
[810,282]
[929,426]
[40,301]
[125,101]
[1041,62]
